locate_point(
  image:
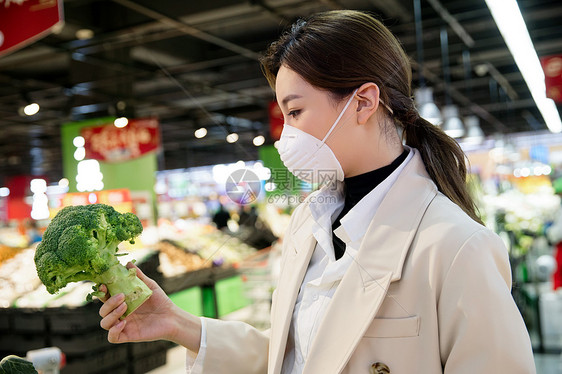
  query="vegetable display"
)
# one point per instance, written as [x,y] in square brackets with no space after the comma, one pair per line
[16,365]
[81,243]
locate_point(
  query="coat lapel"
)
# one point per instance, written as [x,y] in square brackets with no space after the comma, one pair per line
[379,262]
[297,254]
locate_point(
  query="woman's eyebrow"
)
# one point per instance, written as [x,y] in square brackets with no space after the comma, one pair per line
[288,98]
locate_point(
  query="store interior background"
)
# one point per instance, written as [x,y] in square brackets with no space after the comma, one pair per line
[187,78]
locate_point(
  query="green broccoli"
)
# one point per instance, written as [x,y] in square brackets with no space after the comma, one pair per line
[80,244]
[16,365]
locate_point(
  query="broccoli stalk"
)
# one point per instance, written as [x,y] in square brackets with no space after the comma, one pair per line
[119,279]
[81,243]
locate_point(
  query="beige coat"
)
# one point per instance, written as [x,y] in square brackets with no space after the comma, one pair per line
[448,308]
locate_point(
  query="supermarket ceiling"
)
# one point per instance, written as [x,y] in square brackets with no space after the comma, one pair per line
[194,64]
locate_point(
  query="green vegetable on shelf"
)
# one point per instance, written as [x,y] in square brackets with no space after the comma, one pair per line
[16,365]
[80,244]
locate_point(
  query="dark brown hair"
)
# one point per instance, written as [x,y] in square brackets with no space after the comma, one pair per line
[339,51]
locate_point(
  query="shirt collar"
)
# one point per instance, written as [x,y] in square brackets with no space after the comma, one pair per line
[326,201]
[355,223]
[323,205]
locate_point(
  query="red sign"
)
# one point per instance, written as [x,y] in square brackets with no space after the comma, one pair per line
[552,66]
[18,208]
[112,144]
[276,120]
[25,21]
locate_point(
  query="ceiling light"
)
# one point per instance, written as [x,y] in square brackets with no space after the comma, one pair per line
[84,34]
[78,141]
[38,185]
[121,105]
[89,176]
[264,174]
[121,122]
[510,22]
[452,124]
[4,191]
[259,140]
[200,133]
[40,204]
[80,154]
[31,109]
[474,133]
[232,138]
[481,69]
[427,108]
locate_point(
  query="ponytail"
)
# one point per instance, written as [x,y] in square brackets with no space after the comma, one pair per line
[443,158]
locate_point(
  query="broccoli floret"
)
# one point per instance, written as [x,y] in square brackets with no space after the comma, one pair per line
[81,243]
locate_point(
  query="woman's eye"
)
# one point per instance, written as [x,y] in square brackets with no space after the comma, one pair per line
[293,113]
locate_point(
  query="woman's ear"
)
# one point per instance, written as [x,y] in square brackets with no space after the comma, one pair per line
[368,98]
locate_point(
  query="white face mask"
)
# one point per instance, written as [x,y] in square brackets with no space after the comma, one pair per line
[309,158]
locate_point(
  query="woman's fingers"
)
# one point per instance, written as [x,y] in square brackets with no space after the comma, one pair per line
[110,304]
[112,318]
[115,332]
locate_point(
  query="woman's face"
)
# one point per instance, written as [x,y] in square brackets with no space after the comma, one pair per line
[314,111]
[310,109]
[357,141]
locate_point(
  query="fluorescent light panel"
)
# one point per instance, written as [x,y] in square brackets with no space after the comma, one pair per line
[510,22]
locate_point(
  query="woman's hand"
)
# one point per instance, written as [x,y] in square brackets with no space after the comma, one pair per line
[157,319]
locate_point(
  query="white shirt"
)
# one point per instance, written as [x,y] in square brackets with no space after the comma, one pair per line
[324,272]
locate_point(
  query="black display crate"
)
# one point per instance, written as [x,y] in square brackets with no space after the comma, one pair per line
[77,344]
[6,323]
[75,320]
[183,281]
[29,321]
[201,277]
[19,344]
[141,349]
[148,362]
[114,357]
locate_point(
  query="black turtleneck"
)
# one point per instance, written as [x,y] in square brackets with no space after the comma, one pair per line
[356,188]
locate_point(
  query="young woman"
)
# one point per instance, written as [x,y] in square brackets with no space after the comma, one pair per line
[386,268]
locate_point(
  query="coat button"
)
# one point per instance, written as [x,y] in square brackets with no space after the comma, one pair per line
[379,368]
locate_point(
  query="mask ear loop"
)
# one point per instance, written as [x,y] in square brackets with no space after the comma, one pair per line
[343,111]
[339,117]
[386,106]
